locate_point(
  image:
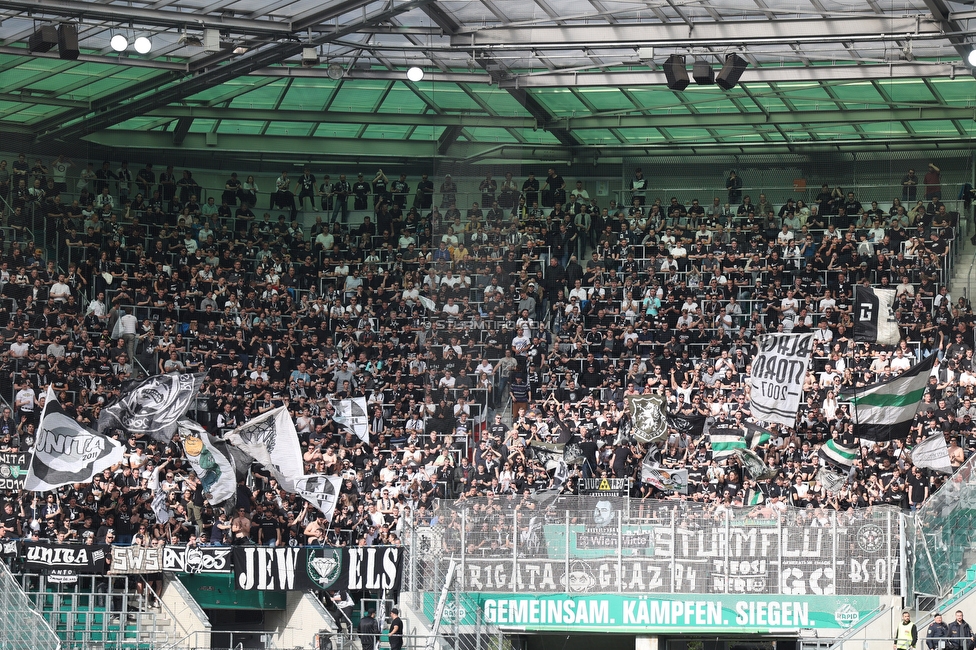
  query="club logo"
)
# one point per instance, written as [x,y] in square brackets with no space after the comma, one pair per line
[870,538]
[324,570]
[157,403]
[846,616]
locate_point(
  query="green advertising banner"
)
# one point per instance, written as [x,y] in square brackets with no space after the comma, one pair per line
[654,614]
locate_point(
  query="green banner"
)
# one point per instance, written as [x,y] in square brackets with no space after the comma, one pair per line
[655,614]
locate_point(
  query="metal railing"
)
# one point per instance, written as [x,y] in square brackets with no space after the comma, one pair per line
[22,627]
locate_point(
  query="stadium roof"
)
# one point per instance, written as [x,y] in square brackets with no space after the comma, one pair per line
[504,79]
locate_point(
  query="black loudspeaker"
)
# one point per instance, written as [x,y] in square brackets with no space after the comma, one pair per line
[703,73]
[44,39]
[734,66]
[68,41]
[676,73]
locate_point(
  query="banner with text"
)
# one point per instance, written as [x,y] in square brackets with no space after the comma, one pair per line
[266,568]
[13,470]
[776,380]
[681,548]
[176,559]
[667,614]
[63,562]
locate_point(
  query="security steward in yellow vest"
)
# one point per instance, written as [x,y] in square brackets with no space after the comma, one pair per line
[906,634]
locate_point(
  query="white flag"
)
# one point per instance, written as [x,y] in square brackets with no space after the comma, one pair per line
[428,304]
[319,490]
[271,440]
[351,413]
[932,453]
[65,452]
[159,499]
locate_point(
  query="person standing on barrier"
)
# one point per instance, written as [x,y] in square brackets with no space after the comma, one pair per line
[906,634]
[396,630]
[936,637]
[369,631]
[960,633]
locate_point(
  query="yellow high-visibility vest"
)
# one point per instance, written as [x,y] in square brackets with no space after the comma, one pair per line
[903,636]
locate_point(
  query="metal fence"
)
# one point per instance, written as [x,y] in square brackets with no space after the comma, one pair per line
[21,627]
[944,534]
[595,544]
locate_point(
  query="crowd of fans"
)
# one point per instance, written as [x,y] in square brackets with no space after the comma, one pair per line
[473,332]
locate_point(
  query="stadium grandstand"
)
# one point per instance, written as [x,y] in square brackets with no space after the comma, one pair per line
[363,325]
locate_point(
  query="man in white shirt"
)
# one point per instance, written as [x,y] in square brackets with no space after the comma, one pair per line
[447,381]
[19,348]
[900,363]
[60,290]
[905,288]
[128,325]
[97,306]
[25,400]
[325,239]
[785,236]
[451,308]
[578,291]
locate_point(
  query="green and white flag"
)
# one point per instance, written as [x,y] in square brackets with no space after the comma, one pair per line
[838,454]
[726,440]
[885,411]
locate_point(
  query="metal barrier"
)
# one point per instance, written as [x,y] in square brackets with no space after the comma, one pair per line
[22,627]
[944,532]
[99,610]
[602,544]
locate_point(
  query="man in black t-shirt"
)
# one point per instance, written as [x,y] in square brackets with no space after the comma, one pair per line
[305,187]
[588,449]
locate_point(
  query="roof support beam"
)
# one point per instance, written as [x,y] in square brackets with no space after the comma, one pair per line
[286,148]
[728,32]
[345,117]
[528,102]
[181,130]
[953,28]
[777,119]
[783,74]
[169,18]
[447,139]
[671,120]
[41,100]
[145,16]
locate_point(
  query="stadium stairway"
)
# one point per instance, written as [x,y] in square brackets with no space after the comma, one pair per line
[963,280]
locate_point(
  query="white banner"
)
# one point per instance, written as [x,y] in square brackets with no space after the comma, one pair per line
[776,382]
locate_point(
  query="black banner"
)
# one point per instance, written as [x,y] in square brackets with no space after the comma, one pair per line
[63,562]
[13,470]
[267,568]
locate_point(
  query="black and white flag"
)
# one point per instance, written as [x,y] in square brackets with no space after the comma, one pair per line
[271,440]
[351,414]
[874,319]
[65,452]
[319,490]
[153,406]
[648,416]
